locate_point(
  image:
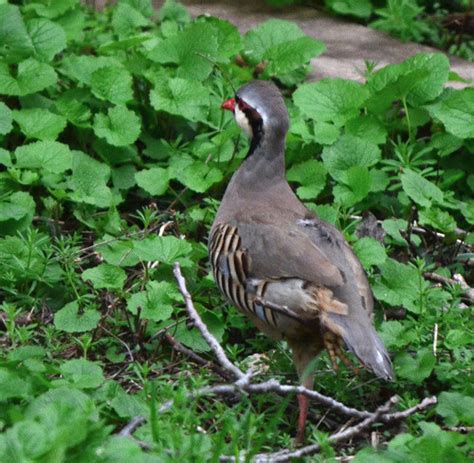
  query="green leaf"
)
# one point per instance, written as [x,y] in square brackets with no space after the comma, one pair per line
[193,338]
[5,119]
[32,77]
[398,285]
[120,127]
[15,43]
[415,369]
[154,181]
[188,50]
[455,109]
[456,408]
[12,386]
[181,97]
[229,42]
[394,334]
[420,79]
[331,100]
[156,303]
[282,43]
[438,219]
[357,8]
[48,38]
[370,252]
[166,249]
[311,175]
[71,320]
[112,84]
[82,373]
[89,181]
[81,68]
[420,190]
[16,212]
[348,152]
[51,156]
[39,123]
[174,11]
[368,128]
[71,105]
[127,20]
[196,175]
[53,8]
[356,184]
[105,276]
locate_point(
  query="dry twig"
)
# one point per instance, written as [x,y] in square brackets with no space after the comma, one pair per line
[242,384]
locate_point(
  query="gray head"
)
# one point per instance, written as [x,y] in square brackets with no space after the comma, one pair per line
[259,109]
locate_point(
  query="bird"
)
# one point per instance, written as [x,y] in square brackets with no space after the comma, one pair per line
[291,273]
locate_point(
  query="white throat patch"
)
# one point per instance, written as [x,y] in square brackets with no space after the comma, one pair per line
[242,121]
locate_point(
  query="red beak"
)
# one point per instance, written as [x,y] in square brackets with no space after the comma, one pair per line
[229,104]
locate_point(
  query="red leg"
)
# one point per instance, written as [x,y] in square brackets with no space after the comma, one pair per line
[303,403]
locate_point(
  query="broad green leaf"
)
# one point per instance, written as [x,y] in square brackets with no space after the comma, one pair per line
[82,67]
[331,100]
[82,373]
[419,79]
[120,127]
[357,8]
[420,190]
[154,181]
[368,128]
[71,104]
[128,406]
[188,50]
[456,408]
[5,119]
[15,43]
[394,334]
[348,152]
[172,10]
[31,77]
[282,44]
[12,386]
[438,219]
[51,9]
[73,320]
[105,276]
[89,180]
[193,338]
[127,20]
[229,42]
[113,84]
[197,175]
[145,7]
[398,285]
[311,175]
[166,249]
[370,252]
[455,109]
[415,369]
[51,156]
[156,303]
[123,177]
[355,186]
[16,212]
[39,123]
[47,37]
[186,98]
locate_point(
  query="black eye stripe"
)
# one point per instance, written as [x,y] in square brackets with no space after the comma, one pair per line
[255,121]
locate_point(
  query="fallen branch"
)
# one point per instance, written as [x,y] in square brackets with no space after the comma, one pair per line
[242,385]
[207,335]
[456,280]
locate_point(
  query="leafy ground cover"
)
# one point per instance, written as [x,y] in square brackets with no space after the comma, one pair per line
[114,156]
